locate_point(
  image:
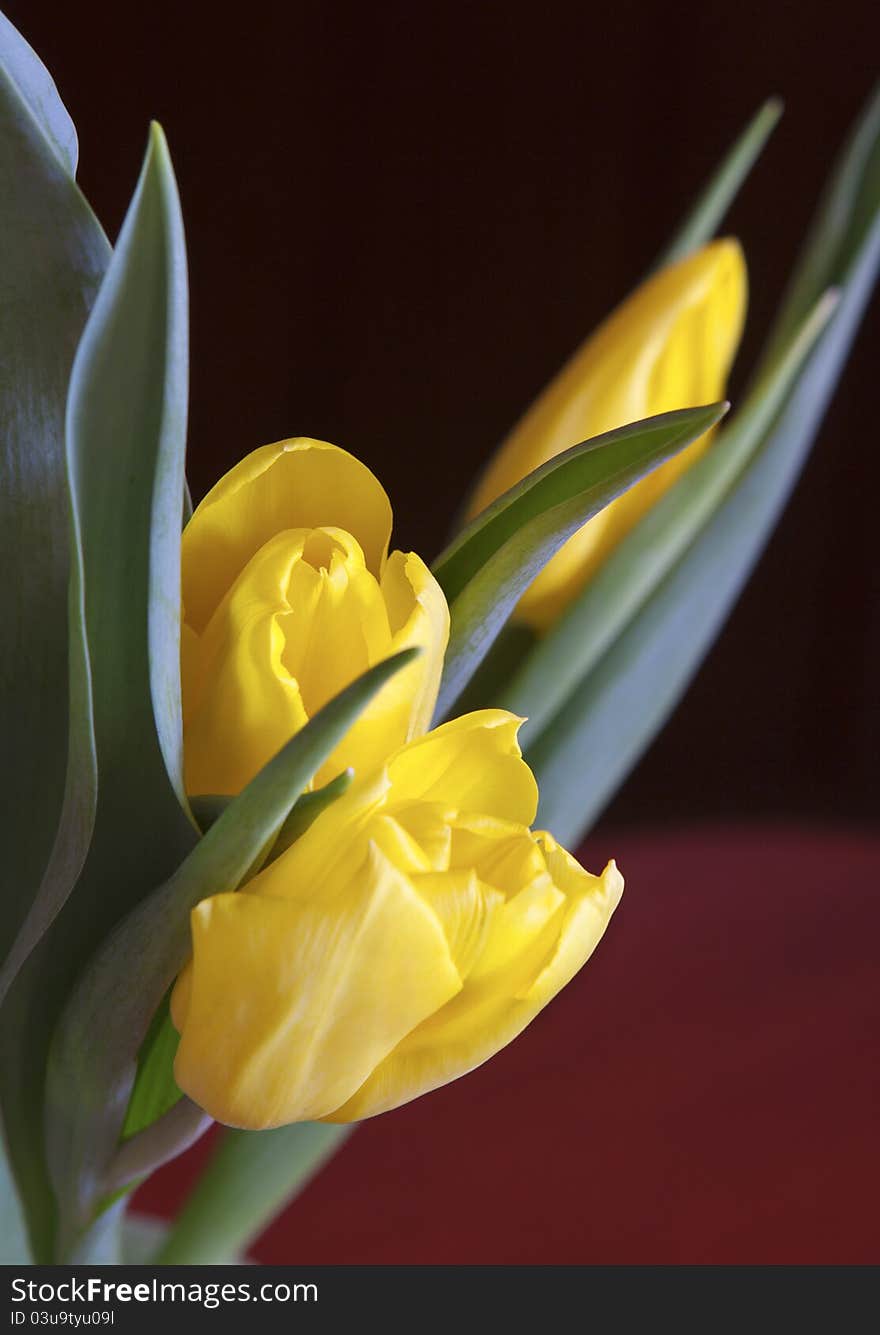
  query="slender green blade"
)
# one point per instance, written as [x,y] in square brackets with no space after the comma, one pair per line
[488,566]
[557,662]
[581,757]
[843,219]
[37,88]
[90,1082]
[610,718]
[250,1178]
[127,412]
[716,198]
[155,1089]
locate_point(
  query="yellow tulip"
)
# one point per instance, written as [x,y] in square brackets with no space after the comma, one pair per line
[414,929]
[289,595]
[670,345]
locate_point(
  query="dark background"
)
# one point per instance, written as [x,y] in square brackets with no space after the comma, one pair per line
[403,217]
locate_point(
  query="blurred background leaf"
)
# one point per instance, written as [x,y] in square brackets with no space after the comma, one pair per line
[607,721]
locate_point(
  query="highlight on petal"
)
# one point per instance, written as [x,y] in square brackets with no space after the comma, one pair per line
[669,345]
[293,484]
[473,763]
[292,1005]
[418,615]
[300,622]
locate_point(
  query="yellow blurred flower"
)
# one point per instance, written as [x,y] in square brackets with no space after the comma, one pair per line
[289,594]
[414,929]
[669,345]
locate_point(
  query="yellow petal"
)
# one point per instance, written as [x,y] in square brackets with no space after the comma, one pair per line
[333,848]
[299,483]
[501,852]
[242,702]
[466,908]
[418,615]
[547,936]
[302,620]
[473,763]
[428,823]
[181,994]
[293,1005]
[591,902]
[670,345]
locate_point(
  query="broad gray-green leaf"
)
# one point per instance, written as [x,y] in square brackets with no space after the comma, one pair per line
[37,88]
[90,1082]
[52,258]
[712,204]
[607,722]
[125,441]
[496,557]
[53,254]
[557,662]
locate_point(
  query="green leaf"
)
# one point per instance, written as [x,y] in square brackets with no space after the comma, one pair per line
[610,718]
[712,204]
[52,257]
[53,254]
[37,89]
[843,219]
[249,1179]
[14,1249]
[126,416]
[127,411]
[307,809]
[90,1082]
[128,384]
[496,557]
[155,1089]
[558,661]
[607,722]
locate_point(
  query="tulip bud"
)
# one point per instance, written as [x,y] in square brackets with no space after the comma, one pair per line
[289,595]
[670,345]
[415,928]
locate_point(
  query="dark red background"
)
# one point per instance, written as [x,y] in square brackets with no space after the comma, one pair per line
[401,218]
[706,1091]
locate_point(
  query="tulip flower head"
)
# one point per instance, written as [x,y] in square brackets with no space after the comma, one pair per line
[670,345]
[414,929]
[289,594]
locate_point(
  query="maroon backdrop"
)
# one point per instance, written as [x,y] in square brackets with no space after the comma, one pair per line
[706,1091]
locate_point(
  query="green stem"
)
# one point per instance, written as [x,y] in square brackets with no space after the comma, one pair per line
[249,1179]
